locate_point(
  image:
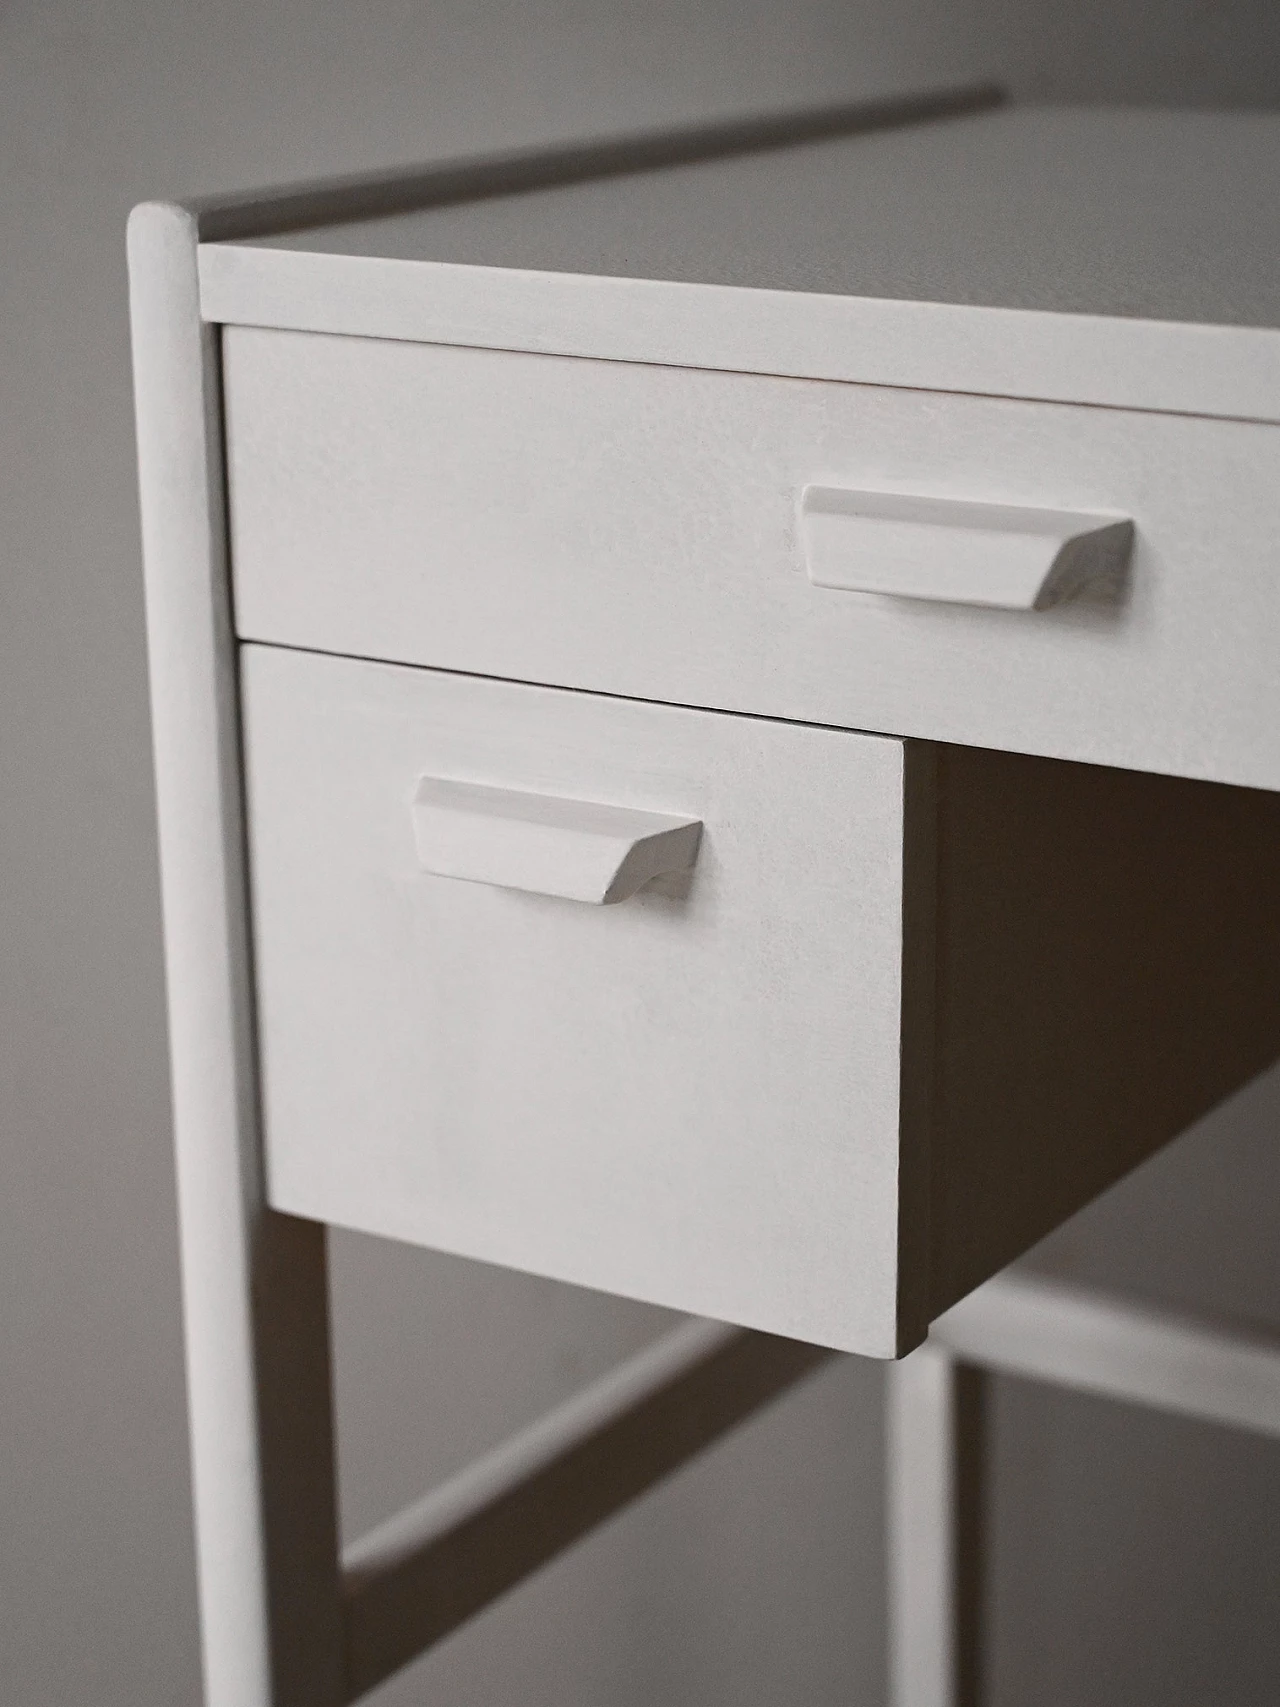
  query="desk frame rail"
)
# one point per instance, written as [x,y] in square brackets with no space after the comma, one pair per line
[414,1579]
[1211,1370]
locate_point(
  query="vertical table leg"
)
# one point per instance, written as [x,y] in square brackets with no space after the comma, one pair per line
[255,1302]
[934,1509]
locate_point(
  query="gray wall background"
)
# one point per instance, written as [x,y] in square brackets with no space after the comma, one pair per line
[1136,1559]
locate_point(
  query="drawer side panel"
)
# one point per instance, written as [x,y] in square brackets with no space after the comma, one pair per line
[1108,970]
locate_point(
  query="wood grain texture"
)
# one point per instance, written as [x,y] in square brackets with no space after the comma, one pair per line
[635,530]
[1108,970]
[254,1293]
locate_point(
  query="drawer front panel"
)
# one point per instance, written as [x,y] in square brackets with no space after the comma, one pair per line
[638,530]
[691,1096]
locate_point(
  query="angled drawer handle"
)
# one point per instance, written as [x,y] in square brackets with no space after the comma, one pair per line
[545,844]
[1007,555]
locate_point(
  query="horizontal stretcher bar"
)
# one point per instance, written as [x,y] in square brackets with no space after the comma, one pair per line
[419,1576]
[416,1578]
[1216,1371]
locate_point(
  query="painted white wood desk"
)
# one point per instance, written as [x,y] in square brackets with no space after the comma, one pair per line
[718,739]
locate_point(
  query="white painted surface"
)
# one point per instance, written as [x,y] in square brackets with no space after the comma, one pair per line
[1072,210]
[253,1287]
[541,843]
[520,1459]
[757,1573]
[206,952]
[920,1498]
[1123,258]
[250,215]
[1009,556]
[692,1099]
[103,108]
[1211,1369]
[618,527]
[416,1578]
[1216,1370]
[1121,363]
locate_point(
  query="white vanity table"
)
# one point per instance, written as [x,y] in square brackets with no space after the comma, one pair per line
[716,724]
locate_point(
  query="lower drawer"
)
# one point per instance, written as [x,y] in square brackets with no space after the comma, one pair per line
[885,1018]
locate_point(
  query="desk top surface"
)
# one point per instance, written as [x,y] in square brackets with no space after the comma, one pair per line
[1134,212]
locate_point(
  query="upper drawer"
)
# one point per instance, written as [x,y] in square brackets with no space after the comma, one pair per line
[637,530]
